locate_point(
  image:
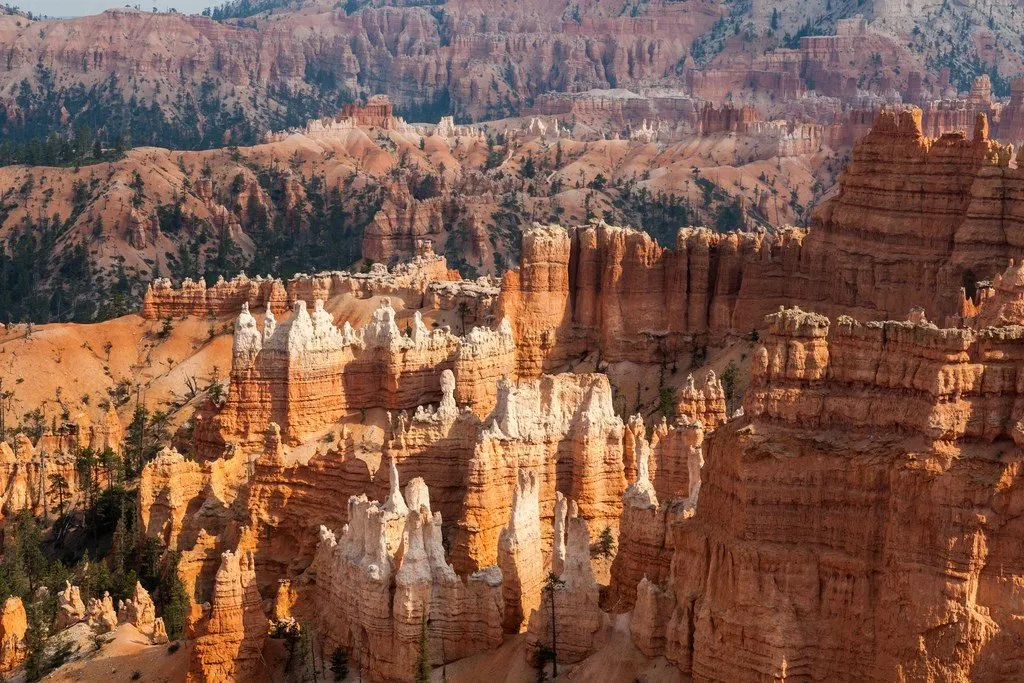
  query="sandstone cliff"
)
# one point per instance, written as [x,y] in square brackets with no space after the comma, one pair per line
[230,637]
[408,281]
[836,537]
[386,579]
[562,428]
[666,488]
[520,554]
[574,598]
[13,625]
[913,221]
[306,373]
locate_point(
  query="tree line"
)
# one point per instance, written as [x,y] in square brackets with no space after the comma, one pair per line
[94,541]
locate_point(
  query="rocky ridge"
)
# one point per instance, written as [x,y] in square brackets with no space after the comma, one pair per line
[899,518]
[857,518]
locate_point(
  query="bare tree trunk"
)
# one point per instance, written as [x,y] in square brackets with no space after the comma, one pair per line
[42,484]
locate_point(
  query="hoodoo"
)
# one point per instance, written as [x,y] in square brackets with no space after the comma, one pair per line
[673,342]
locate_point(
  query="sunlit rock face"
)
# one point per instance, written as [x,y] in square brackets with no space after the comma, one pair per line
[863,506]
[386,579]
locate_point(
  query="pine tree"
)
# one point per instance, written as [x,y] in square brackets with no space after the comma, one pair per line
[339,663]
[35,642]
[173,598]
[529,170]
[28,545]
[423,662]
[552,584]
[59,484]
[606,543]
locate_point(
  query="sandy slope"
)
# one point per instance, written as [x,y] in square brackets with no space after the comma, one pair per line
[128,653]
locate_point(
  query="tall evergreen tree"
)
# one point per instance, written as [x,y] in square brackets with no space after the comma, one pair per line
[423,661]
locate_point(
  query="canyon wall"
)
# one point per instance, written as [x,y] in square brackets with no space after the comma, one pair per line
[859,517]
[230,637]
[913,221]
[306,373]
[837,537]
[666,477]
[424,60]
[407,281]
[616,290]
[26,468]
[559,431]
[385,585]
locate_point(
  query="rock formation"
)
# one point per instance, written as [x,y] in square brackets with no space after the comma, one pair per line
[666,486]
[470,465]
[617,291]
[305,374]
[13,625]
[868,460]
[159,636]
[563,429]
[1000,305]
[574,293]
[386,579]
[25,469]
[138,610]
[520,555]
[70,608]
[192,298]
[704,404]
[828,521]
[101,614]
[575,596]
[170,489]
[230,637]
[407,281]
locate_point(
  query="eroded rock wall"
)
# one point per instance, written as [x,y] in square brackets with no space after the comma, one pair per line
[230,638]
[407,281]
[562,428]
[386,580]
[306,373]
[858,522]
[914,220]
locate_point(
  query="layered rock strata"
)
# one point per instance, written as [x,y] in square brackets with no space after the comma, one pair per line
[616,291]
[189,504]
[858,522]
[229,639]
[913,221]
[559,432]
[574,597]
[408,281]
[562,428]
[520,555]
[306,373]
[386,580]
[665,489]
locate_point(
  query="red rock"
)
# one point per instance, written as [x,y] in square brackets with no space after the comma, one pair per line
[13,625]
[230,639]
[836,518]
